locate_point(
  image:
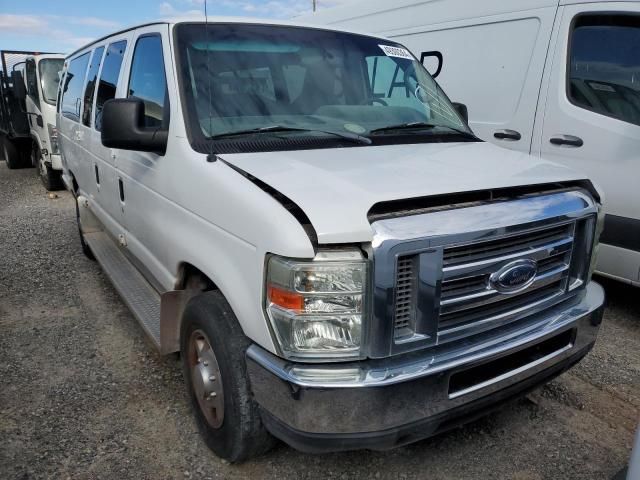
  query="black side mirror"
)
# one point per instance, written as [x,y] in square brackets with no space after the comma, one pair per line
[433,54]
[19,88]
[462,110]
[123,127]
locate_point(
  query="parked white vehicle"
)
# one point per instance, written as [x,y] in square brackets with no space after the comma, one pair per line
[42,77]
[559,79]
[337,269]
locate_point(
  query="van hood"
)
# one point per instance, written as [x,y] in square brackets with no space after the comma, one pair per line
[337,187]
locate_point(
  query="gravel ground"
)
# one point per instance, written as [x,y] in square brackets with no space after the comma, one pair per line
[84,395]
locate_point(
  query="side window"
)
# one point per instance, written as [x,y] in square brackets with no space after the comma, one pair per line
[32,81]
[109,78]
[604,65]
[147,80]
[72,91]
[90,88]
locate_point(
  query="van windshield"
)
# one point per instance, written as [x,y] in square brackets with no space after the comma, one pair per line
[237,79]
[49,69]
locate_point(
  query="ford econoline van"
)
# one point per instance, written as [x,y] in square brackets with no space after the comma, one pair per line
[338,269]
[559,79]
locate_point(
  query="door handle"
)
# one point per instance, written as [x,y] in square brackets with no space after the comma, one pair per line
[510,135]
[121,190]
[566,141]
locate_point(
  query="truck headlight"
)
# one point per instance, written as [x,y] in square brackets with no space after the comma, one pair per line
[53,138]
[315,306]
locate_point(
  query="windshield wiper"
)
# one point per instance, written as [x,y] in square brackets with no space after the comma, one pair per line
[282,128]
[419,126]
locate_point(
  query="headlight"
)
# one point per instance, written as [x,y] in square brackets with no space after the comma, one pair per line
[53,137]
[315,306]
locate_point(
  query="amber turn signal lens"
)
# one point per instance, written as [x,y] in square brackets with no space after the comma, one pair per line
[285,299]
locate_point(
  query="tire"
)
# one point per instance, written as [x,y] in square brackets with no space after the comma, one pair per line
[86,249]
[14,156]
[51,179]
[236,432]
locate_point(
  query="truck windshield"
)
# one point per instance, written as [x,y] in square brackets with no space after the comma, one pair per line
[240,79]
[49,80]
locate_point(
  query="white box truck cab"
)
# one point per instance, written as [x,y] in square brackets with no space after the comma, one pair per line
[42,77]
[559,79]
[337,269]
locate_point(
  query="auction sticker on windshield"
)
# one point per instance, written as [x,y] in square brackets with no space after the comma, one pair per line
[396,52]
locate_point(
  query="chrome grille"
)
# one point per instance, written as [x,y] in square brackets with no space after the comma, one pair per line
[436,273]
[467,295]
[503,247]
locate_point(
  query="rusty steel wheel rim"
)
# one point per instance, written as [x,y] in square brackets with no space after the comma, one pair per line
[205,378]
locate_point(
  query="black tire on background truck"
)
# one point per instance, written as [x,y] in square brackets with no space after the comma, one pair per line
[212,346]
[17,155]
[51,179]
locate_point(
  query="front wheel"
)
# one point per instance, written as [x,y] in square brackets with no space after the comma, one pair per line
[213,347]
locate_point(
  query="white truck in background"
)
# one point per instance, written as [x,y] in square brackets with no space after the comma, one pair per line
[42,77]
[559,79]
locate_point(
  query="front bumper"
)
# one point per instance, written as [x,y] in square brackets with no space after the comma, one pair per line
[381,404]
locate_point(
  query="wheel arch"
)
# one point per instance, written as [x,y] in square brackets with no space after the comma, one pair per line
[190,276]
[190,282]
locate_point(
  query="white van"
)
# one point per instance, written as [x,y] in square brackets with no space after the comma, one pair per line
[559,79]
[42,77]
[337,269]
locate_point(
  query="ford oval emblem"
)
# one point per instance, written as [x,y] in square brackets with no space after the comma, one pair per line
[514,276]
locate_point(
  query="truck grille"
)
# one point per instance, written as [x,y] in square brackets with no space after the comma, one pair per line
[452,271]
[467,295]
[467,301]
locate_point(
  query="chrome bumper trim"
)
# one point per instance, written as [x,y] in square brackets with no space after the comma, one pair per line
[418,394]
[378,373]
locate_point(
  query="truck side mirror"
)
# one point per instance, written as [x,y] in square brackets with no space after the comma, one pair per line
[123,127]
[462,110]
[19,88]
[433,70]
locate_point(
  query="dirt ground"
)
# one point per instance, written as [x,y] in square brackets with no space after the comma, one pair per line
[84,395]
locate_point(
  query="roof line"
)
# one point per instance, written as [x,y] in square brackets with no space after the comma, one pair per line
[128,29]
